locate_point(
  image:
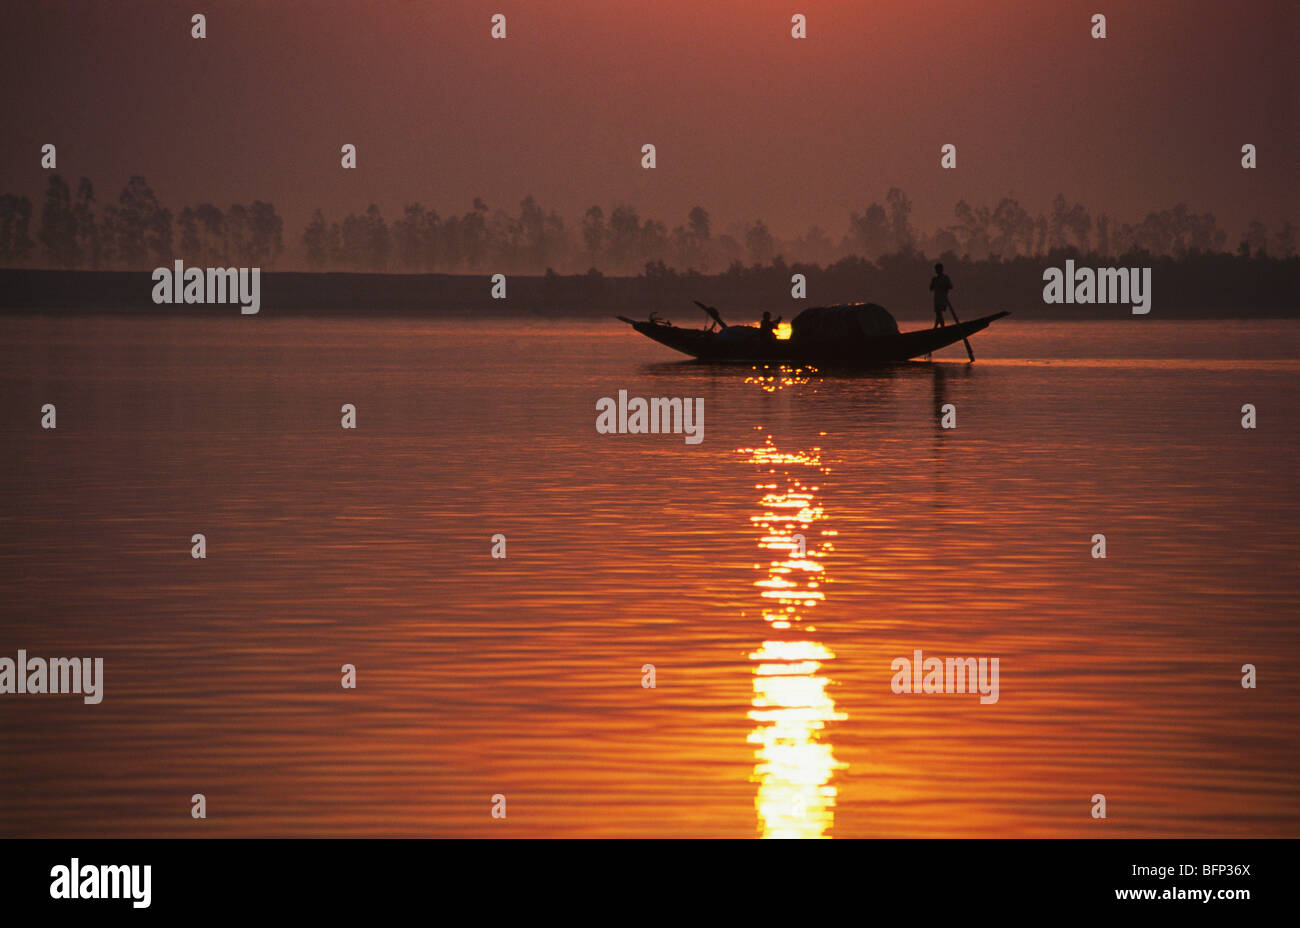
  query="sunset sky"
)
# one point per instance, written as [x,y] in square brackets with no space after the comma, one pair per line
[748,122]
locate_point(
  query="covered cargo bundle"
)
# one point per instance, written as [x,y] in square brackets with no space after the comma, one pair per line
[846,323]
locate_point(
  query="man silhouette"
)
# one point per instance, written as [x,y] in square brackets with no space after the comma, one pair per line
[940,284]
[768,326]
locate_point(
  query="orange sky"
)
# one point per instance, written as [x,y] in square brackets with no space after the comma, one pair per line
[749,123]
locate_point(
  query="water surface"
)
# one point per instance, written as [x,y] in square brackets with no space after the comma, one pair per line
[772,711]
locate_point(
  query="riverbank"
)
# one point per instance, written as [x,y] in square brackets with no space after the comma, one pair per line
[1228,287]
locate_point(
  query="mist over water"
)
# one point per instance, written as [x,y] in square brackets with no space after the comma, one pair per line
[772,711]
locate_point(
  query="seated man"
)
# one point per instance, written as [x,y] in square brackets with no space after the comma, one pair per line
[768,326]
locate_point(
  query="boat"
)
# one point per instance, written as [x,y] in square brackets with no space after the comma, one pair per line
[850,334]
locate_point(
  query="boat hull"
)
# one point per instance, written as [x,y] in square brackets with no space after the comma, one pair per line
[869,350]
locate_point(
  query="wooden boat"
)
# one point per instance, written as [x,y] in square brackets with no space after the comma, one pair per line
[854,334]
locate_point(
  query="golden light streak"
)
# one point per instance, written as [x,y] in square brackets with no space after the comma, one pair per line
[791,706]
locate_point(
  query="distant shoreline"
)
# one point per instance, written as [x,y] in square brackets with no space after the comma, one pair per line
[1240,288]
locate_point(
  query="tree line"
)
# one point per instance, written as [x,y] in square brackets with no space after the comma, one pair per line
[137,231]
[133,231]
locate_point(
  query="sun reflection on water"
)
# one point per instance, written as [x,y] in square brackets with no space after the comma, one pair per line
[774,377]
[794,760]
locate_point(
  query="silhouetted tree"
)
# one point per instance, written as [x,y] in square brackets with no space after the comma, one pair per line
[869,234]
[1103,235]
[697,238]
[594,233]
[187,224]
[727,251]
[624,236]
[58,232]
[946,240]
[1056,230]
[15,218]
[315,240]
[1069,222]
[973,229]
[543,234]
[900,223]
[415,238]
[698,223]
[1014,228]
[366,241]
[1079,224]
[266,234]
[474,235]
[237,226]
[759,242]
[815,246]
[1257,238]
[90,245]
[1196,232]
[1285,241]
[211,223]
[654,240]
[140,227]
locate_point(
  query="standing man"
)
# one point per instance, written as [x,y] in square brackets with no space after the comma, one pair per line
[940,284]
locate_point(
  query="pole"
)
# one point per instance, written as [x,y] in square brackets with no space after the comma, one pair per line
[970,354]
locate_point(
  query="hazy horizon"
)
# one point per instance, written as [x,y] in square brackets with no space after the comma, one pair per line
[747,121]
